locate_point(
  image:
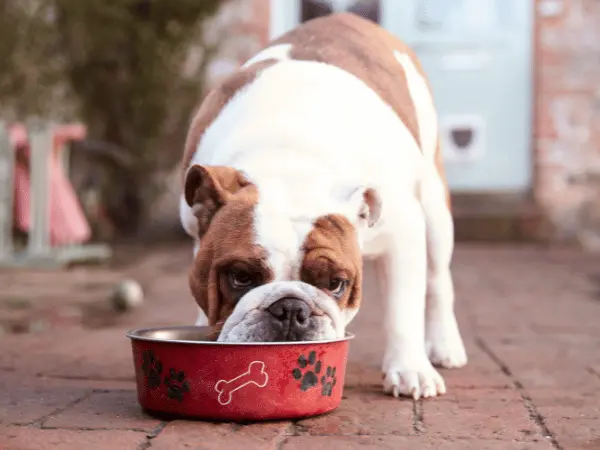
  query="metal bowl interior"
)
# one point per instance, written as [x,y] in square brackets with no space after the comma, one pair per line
[197,335]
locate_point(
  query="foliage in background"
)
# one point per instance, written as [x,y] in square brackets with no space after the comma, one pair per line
[117,65]
[31,76]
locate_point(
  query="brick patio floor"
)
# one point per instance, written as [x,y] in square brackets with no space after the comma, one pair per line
[530,318]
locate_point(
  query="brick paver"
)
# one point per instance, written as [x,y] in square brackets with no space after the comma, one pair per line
[530,318]
[405,442]
[29,438]
[181,435]
[113,409]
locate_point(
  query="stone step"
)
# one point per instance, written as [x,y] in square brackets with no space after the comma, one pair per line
[498,218]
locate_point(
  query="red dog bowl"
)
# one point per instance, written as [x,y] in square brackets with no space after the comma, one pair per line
[178,371]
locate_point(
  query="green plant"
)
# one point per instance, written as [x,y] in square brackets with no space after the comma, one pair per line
[116,65]
[31,73]
[124,61]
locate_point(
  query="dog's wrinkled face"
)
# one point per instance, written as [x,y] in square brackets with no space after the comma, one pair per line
[252,291]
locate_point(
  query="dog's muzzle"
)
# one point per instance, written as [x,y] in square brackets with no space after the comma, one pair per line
[284,311]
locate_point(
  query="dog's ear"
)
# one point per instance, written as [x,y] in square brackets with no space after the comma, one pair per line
[208,188]
[367,204]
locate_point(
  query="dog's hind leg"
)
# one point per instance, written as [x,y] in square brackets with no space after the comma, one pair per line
[443,341]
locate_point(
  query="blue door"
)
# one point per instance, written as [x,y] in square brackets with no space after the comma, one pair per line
[478,56]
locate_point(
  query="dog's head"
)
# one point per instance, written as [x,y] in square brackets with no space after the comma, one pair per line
[262,274]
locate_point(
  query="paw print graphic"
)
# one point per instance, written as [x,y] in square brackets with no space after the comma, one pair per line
[328,381]
[307,371]
[152,368]
[176,384]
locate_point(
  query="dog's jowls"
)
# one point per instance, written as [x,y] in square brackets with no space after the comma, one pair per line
[321,151]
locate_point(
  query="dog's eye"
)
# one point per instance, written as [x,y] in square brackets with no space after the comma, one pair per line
[337,286]
[240,279]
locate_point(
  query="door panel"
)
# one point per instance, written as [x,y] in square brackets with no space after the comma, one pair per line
[478,57]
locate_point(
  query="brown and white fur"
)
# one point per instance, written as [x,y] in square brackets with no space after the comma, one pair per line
[320,151]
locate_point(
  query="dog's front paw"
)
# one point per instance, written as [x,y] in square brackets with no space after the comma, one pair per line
[444,345]
[416,379]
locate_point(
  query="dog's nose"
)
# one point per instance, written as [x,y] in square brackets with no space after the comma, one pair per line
[292,310]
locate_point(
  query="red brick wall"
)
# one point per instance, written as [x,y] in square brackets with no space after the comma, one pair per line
[567,116]
[262,13]
[241,28]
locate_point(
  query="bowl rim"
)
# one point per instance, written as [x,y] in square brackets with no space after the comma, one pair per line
[137,335]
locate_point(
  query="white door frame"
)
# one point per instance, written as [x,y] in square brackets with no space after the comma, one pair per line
[283,16]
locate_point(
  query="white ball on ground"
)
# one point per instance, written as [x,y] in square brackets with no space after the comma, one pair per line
[127,295]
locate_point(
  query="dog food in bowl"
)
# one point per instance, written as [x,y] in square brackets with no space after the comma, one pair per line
[180,372]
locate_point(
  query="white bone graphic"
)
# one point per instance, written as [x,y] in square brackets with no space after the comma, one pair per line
[254,375]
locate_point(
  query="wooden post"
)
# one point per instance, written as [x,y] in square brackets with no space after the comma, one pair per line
[7,161]
[41,149]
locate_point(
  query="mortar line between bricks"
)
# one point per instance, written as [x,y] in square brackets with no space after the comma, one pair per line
[83,378]
[151,435]
[279,445]
[283,438]
[138,430]
[40,422]
[593,371]
[534,413]
[404,435]
[296,428]
[417,416]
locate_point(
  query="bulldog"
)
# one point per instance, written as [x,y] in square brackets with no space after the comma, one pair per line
[319,152]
